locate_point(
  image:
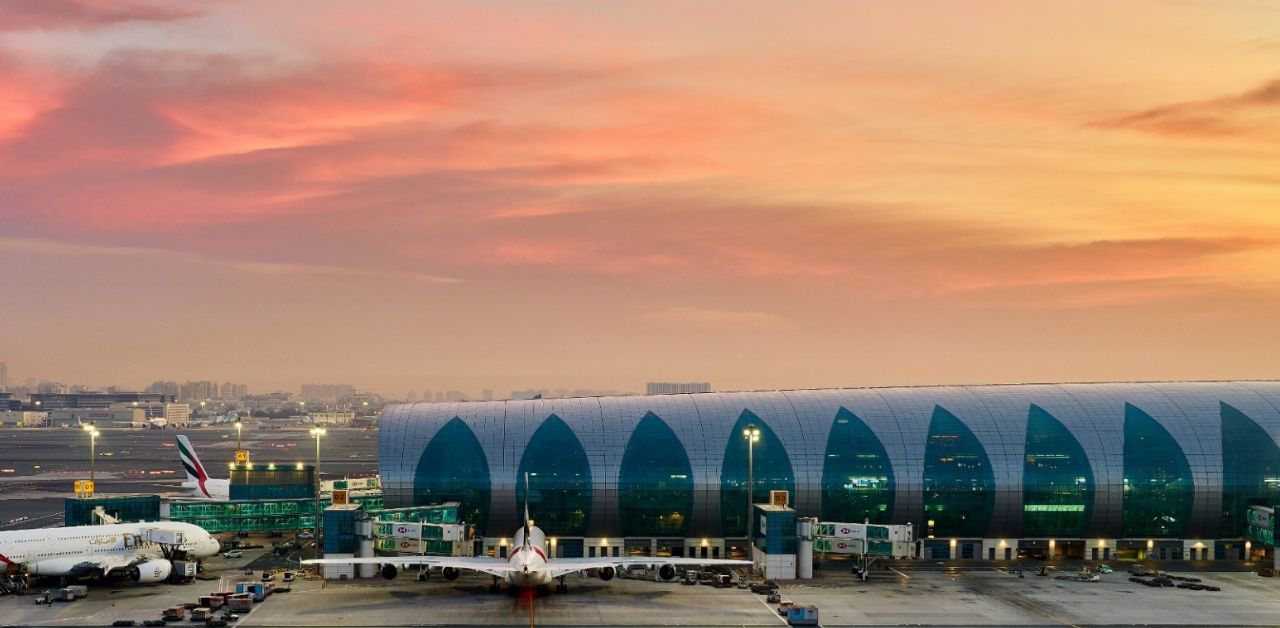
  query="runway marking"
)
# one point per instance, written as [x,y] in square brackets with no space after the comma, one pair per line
[900,573]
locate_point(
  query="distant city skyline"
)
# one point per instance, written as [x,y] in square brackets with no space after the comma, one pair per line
[461,196]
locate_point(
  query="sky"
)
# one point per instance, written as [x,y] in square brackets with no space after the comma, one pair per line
[418,195]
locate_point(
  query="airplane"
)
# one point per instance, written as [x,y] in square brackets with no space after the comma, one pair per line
[198,480]
[528,565]
[134,550]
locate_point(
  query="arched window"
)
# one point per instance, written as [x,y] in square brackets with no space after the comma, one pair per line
[655,484]
[559,480]
[453,467]
[1250,470]
[1057,481]
[857,479]
[1158,489]
[772,471]
[959,486]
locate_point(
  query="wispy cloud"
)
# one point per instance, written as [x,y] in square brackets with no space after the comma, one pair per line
[1250,112]
[273,269]
[75,14]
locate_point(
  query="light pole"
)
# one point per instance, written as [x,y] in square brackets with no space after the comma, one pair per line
[752,434]
[317,432]
[239,426]
[93,446]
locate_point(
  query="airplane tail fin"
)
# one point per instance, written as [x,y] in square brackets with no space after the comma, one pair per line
[196,473]
[526,509]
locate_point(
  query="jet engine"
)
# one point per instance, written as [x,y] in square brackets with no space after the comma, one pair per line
[606,573]
[151,571]
[389,572]
[450,573]
[667,572]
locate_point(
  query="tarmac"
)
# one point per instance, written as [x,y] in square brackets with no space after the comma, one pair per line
[912,593]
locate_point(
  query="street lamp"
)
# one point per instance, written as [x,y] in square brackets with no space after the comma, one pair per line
[239,426]
[752,434]
[93,446]
[317,432]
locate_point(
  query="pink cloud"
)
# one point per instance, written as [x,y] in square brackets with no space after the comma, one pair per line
[68,14]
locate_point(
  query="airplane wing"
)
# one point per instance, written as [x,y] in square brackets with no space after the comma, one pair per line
[563,566]
[491,566]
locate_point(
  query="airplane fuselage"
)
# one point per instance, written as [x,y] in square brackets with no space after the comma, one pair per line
[67,551]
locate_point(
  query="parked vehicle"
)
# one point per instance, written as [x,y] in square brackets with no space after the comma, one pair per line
[784,607]
[235,553]
[773,598]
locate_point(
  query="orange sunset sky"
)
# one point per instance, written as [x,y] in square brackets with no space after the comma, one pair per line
[409,195]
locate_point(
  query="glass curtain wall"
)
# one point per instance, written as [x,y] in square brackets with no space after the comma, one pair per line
[1057,481]
[857,479]
[453,467]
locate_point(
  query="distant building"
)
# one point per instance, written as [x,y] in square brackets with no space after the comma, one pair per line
[328,392]
[103,417]
[676,388]
[4,376]
[487,395]
[48,402]
[7,402]
[177,413]
[165,388]
[426,396]
[455,395]
[332,418]
[20,418]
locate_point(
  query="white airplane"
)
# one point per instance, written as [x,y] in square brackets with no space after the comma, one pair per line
[198,480]
[135,550]
[528,565]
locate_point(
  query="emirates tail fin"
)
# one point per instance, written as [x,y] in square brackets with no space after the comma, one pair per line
[526,509]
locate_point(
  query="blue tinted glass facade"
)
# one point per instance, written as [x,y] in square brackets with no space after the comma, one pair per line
[771,470]
[1158,488]
[1057,481]
[1250,469]
[959,486]
[857,478]
[453,467]
[655,484]
[559,480]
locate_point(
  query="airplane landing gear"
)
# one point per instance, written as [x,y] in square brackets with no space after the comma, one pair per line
[494,587]
[561,586]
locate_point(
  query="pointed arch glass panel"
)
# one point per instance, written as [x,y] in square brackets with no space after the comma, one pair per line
[1057,480]
[559,480]
[1158,488]
[655,482]
[771,471]
[959,485]
[857,478]
[1250,470]
[453,467]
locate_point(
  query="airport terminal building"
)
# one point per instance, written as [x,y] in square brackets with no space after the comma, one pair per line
[1166,470]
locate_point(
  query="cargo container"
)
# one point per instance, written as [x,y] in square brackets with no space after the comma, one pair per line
[176,613]
[201,614]
[240,603]
[212,601]
[185,568]
[256,590]
[802,616]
